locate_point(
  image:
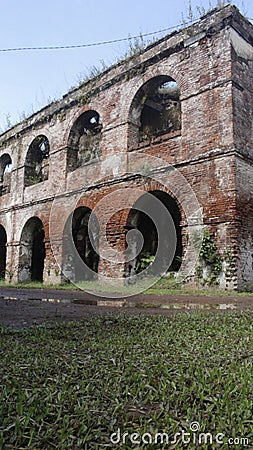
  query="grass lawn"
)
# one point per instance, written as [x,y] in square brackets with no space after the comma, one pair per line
[70,386]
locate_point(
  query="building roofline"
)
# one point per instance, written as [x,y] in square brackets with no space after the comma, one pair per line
[210,23]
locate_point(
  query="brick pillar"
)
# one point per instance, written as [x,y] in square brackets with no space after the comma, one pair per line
[12,261]
[52,271]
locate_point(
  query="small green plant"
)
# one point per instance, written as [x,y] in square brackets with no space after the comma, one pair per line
[8,275]
[61,116]
[135,45]
[210,259]
[189,15]
[91,72]
[34,179]
[144,261]
[230,264]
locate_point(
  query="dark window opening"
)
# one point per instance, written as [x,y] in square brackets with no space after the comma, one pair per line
[37,161]
[3,241]
[80,243]
[148,218]
[5,174]
[156,110]
[32,251]
[84,144]
[161,112]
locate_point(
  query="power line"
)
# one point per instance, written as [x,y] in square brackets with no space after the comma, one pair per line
[94,44]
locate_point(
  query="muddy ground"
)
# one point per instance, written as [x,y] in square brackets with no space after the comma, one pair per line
[30,307]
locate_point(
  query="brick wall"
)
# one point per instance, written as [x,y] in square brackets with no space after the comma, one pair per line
[210,154]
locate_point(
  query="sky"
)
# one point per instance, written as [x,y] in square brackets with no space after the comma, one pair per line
[31,79]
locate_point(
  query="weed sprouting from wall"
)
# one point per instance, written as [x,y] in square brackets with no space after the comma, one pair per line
[210,261]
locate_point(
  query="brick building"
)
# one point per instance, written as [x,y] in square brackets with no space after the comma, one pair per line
[172,125]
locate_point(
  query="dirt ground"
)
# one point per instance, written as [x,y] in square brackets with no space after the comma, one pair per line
[30,307]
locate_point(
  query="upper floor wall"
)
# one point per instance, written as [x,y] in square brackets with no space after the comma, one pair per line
[242,70]
[174,100]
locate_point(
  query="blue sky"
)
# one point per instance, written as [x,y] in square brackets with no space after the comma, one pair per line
[31,79]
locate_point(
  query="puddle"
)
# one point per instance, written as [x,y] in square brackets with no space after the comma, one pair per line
[196,306]
[114,303]
[227,306]
[9,298]
[56,300]
[70,301]
[130,304]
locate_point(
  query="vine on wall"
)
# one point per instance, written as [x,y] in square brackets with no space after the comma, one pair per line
[210,259]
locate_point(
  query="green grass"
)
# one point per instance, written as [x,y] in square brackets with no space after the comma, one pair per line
[37,285]
[70,386]
[171,286]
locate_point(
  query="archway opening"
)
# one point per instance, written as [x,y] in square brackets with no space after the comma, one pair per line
[156,110]
[157,217]
[37,161]
[80,246]
[32,251]
[84,143]
[5,173]
[3,241]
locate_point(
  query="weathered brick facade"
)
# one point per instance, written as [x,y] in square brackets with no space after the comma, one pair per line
[186,102]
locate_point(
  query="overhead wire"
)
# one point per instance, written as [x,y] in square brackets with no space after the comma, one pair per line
[94,44]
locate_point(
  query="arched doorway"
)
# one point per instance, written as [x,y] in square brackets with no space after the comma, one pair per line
[157,217]
[80,244]
[32,251]
[3,241]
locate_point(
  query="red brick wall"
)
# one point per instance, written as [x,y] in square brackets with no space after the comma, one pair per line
[213,69]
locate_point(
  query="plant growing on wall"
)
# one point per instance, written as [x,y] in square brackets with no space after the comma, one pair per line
[210,260]
[144,262]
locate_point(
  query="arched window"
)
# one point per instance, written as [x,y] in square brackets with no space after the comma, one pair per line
[32,251]
[156,109]
[5,173]
[84,143]
[36,162]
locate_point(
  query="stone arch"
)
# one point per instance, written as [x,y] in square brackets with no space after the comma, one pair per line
[3,242]
[155,110]
[141,221]
[81,245]
[84,141]
[32,251]
[5,173]
[37,161]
